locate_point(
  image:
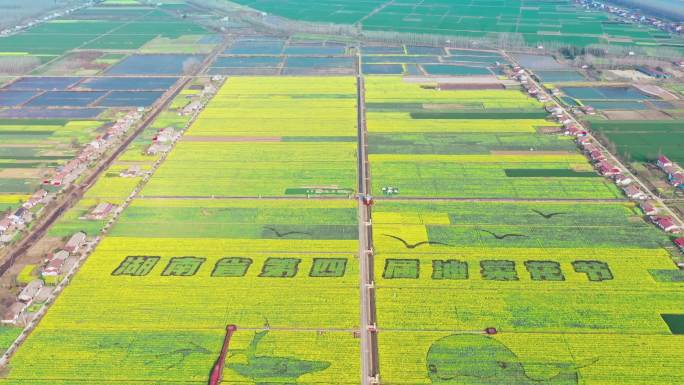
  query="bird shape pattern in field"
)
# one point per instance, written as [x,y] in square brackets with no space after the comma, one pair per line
[414,245]
[502,236]
[265,370]
[477,359]
[283,234]
[549,215]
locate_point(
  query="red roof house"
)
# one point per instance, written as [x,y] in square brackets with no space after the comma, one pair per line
[680,243]
[666,224]
[648,208]
[663,161]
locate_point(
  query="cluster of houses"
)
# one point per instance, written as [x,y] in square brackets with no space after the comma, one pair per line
[675,174]
[663,222]
[520,75]
[611,170]
[533,91]
[597,156]
[196,101]
[633,16]
[69,172]
[39,290]
[17,220]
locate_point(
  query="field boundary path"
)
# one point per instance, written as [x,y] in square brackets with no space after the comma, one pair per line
[369,342]
[613,157]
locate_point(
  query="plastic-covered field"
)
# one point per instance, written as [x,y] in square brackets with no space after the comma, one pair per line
[15,98]
[129,98]
[43,83]
[166,64]
[127,83]
[457,70]
[66,98]
[560,76]
[605,93]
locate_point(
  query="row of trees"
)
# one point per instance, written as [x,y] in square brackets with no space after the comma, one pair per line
[600,55]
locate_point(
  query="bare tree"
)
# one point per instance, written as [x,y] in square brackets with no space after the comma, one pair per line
[16,65]
[191,65]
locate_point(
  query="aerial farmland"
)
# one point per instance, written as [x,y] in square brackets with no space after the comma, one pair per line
[316,193]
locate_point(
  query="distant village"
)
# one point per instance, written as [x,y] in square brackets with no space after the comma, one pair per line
[633,16]
[33,22]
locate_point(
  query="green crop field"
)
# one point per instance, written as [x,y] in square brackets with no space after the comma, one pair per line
[644,141]
[536,22]
[498,255]
[264,136]
[462,157]
[573,296]
[285,272]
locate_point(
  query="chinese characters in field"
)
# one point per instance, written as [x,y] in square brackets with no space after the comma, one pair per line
[395,268]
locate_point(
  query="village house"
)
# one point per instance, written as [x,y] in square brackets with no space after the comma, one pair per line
[607,169]
[5,224]
[157,148]
[664,161]
[622,180]
[53,267]
[75,242]
[589,110]
[679,242]
[131,172]
[666,224]
[576,131]
[634,192]
[597,156]
[191,108]
[648,208]
[11,315]
[6,238]
[165,135]
[585,144]
[676,179]
[101,211]
[43,294]
[21,217]
[35,199]
[29,291]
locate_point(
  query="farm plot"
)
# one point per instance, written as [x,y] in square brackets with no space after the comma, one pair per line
[609,98]
[267,282]
[265,55]
[155,64]
[532,22]
[454,150]
[256,169]
[45,95]
[268,136]
[528,225]
[550,297]
[29,149]
[644,141]
[430,61]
